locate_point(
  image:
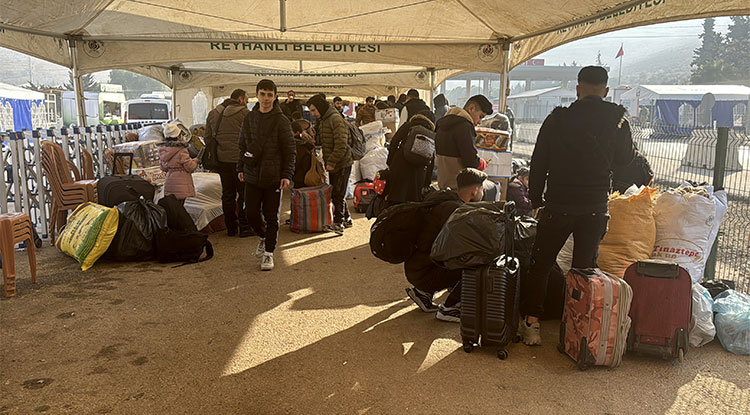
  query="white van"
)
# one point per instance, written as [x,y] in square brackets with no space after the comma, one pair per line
[148,111]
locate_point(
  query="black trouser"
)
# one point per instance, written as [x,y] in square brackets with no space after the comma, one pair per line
[552,232]
[428,277]
[269,201]
[339,181]
[232,197]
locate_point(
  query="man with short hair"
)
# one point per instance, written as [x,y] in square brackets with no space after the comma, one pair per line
[401,101]
[338,103]
[224,124]
[337,155]
[575,152]
[391,101]
[365,113]
[266,163]
[412,105]
[454,140]
[426,277]
[291,106]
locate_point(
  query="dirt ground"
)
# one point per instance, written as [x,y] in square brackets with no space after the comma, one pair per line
[329,331]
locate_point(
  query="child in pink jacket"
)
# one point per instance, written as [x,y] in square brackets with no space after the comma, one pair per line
[176,162]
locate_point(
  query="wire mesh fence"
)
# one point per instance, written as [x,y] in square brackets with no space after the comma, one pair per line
[678,154]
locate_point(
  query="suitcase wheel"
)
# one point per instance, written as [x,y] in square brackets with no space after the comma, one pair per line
[468,346]
[502,354]
[560,348]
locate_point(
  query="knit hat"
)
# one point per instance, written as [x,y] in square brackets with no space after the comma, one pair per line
[320,104]
[174,130]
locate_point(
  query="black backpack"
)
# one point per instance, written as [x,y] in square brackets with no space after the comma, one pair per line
[180,241]
[419,146]
[356,140]
[394,234]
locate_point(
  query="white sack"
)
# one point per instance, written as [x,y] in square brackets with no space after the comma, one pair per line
[373,162]
[702,329]
[354,177]
[685,218]
[151,133]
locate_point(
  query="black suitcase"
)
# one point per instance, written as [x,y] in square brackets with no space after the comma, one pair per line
[114,190]
[490,297]
[489,305]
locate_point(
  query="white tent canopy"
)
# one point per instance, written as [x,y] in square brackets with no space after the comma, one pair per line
[147,37]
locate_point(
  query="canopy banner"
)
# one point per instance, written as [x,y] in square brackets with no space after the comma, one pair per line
[160,74]
[193,79]
[100,55]
[330,91]
[647,12]
[51,49]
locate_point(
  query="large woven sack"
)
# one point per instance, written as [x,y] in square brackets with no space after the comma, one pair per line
[88,233]
[631,234]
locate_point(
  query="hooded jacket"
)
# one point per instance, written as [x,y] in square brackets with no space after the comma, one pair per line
[518,193]
[232,113]
[441,106]
[406,180]
[267,149]
[334,138]
[175,160]
[420,270]
[576,150]
[454,146]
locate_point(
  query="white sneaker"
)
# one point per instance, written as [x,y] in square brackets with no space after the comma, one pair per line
[261,248]
[531,333]
[266,264]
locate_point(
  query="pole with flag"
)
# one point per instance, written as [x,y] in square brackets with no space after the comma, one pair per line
[620,54]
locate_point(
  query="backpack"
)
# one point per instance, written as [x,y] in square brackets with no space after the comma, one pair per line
[210,157]
[356,139]
[180,241]
[419,146]
[394,234]
[364,194]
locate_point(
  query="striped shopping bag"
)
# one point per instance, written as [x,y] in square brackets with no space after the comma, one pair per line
[312,210]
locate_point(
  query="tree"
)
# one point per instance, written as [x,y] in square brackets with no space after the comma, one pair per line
[707,63]
[134,84]
[87,81]
[735,52]
[599,58]
[574,63]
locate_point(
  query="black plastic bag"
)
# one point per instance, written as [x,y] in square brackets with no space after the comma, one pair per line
[474,235]
[135,239]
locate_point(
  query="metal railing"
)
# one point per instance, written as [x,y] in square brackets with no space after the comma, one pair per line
[24,186]
[678,154]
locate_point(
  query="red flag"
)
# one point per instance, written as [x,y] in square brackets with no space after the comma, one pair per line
[620,53]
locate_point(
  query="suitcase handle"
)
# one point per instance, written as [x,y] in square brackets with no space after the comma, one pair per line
[586,273]
[658,269]
[129,156]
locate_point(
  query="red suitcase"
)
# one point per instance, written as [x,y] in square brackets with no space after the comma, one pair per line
[595,320]
[661,309]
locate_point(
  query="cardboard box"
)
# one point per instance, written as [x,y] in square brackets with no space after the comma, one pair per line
[488,138]
[145,153]
[387,115]
[499,162]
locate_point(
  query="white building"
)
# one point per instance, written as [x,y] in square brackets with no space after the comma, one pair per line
[538,103]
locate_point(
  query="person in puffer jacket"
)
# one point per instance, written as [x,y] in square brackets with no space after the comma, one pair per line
[174,159]
[454,140]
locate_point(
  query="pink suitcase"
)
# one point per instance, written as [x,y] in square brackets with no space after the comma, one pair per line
[595,323]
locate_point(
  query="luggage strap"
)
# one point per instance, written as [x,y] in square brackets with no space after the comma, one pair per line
[209,254]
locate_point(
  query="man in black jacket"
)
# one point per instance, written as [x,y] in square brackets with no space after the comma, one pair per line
[266,166]
[412,106]
[454,140]
[425,276]
[575,152]
[291,106]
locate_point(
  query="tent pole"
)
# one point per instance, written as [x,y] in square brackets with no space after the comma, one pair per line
[282,15]
[173,71]
[432,89]
[504,75]
[77,87]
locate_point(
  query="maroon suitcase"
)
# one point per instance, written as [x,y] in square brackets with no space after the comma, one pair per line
[661,309]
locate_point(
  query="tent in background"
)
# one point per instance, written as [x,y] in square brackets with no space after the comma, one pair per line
[20,108]
[681,105]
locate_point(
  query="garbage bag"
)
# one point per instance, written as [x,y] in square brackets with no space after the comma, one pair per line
[732,321]
[716,287]
[474,235]
[702,329]
[136,233]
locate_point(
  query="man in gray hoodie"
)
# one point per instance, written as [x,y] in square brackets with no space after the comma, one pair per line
[223,124]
